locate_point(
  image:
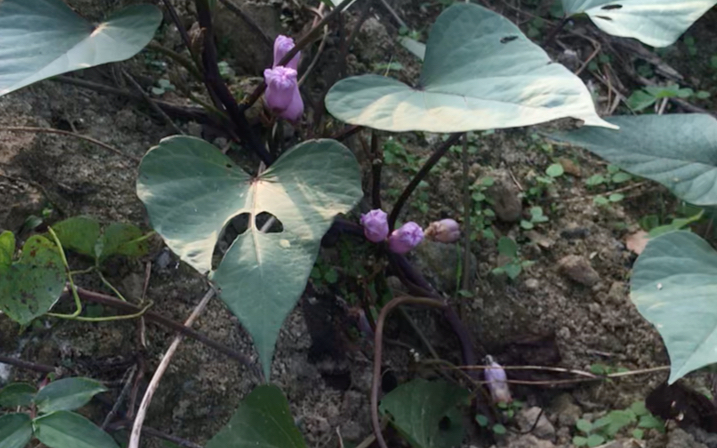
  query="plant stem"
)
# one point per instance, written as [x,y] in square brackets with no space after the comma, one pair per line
[378,349]
[466,280]
[430,163]
[376,167]
[156,378]
[42,368]
[554,32]
[215,84]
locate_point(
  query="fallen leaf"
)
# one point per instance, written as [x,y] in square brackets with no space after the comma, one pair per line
[637,241]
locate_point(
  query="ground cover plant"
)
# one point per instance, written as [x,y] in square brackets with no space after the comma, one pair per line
[249,217]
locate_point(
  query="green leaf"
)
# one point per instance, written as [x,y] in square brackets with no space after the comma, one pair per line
[649,421]
[640,100]
[600,200]
[616,197]
[192,191]
[480,72]
[63,429]
[580,441]
[614,421]
[676,224]
[17,394]
[44,38]
[513,269]
[7,249]
[79,234]
[499,429]
[482,420]
[621,177]
[584,426]
[595,180]
[32,285]
[639,408]
[595,440]
[638,434]
[555,170]
[677,151]
[417,48]
[67,394]
[674,286]
[263,419]
[15,430]
[507,247]
[657,23]
[121,239]
[418,407]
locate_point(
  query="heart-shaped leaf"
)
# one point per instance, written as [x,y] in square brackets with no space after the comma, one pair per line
[7,249]
[480,72]
[44,38]
[63,429]
[674,286]
[678,150]
[418,410]
[655,22]
[15,430]
[31,286]
[192,191]
[67,394]
[263,419]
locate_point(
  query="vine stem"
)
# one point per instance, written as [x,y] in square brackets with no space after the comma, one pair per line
[156,378]
[425,169]
[378,351]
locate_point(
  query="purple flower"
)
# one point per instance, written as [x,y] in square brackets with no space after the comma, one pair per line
[282,92]
[282,45]
[496,380]
[405,238]
[444,231]
[375,225]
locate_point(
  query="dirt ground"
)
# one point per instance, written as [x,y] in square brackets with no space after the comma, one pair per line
[569,309]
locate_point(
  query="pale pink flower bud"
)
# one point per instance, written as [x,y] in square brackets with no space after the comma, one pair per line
[282,45]
[282,92]
[375,225]
[443,231]
[405,238]
[497,382]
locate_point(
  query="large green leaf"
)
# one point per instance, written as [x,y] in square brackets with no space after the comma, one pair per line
[15,430]
[17,394]
[262,420]
[192,191]
[79,234]
[43,38]
[480,72]
[678,151]
[655,22]
[674,286]
[32,285]
[418,409]
[67,394]
[64,429]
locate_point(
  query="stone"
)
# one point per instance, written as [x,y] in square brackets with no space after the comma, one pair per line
[578,269]
[543,429]
[507,203]
[678,438]
[529,441]
[565,410]
[439,262]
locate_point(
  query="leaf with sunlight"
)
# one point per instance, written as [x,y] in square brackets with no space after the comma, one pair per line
[655,22]
[44,38]
[674,286]
[480,72]
[677,150]
[192,191]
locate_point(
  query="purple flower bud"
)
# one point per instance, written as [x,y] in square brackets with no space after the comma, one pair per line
[282,92]
[443,231]
[282,45]
[496,380]
[405,238]
[375,225]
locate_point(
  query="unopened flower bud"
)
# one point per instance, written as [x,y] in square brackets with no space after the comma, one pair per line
[405,238]
[375,225]
[282,45]
[497,382]
[444,231]
[282,92]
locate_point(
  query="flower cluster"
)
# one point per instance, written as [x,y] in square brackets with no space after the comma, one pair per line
[409,235]
[282,89]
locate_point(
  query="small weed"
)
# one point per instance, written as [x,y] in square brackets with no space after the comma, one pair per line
[536,217]
[508,248]
[483,216]
[636,417]
[163,86]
